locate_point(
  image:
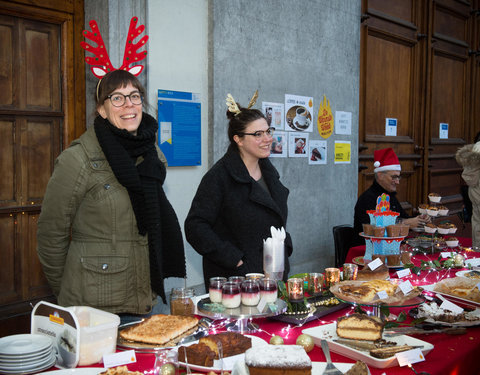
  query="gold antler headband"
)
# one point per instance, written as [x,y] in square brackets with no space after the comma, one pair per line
[233,106]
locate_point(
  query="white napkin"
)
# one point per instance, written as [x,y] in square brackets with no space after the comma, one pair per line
[274,252]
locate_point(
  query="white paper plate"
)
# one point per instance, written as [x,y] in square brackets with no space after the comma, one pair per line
[26,359]
[76,371]
[328,332]
[20,345]
[467,301]
[229,362]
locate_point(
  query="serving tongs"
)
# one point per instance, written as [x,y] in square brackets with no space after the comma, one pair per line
[202,331]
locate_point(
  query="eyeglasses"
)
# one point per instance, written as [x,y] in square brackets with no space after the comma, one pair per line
[259,133]
[119,100]
[395,177]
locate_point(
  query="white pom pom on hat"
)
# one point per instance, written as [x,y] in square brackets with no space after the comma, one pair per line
[386,160]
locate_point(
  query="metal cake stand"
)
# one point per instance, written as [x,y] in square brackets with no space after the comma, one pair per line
[241,315]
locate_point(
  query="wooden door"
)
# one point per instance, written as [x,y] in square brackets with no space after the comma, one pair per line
[416,68]
[38,109]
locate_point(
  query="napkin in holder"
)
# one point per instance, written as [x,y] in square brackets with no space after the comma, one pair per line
[274,254]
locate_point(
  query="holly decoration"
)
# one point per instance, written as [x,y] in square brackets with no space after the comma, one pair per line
[306,341]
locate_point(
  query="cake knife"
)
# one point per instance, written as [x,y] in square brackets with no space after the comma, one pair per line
[421,331]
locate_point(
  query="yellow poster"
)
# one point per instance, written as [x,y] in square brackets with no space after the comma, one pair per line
[342,152]
[325,118]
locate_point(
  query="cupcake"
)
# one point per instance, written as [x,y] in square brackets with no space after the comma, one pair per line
[379,231]
[442,210]
[452,241]
[423,208]
[393,231]
[393,260]
[382,257]
[443,229]
[432,211]
[434,197]
[430,228]
[368,229]
[404,228]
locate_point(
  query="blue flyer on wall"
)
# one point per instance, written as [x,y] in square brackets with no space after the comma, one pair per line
[179,127]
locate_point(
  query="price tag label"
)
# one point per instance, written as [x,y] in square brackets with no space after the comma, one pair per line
[375,264]
[404,272]
[261,305]
[447,305]
[446,254]
[382,294]
[120,358]
[410,356]
[406,287]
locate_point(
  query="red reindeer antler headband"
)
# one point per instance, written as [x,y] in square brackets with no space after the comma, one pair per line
[101,64]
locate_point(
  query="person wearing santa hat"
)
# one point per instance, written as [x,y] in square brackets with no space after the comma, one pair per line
[387,177]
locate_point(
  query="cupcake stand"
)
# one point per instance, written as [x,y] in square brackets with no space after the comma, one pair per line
[242,315]
[384,236]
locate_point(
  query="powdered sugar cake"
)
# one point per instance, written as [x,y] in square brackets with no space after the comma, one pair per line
[278,359]
[161,329]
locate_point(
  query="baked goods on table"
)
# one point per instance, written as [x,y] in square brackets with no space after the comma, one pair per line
[120,370]
[459,287]
[360,327]
[196,354]
[232,343]
[434,312]
[278,359]
[161,330]
[379,273]
[366,291]
[359,368]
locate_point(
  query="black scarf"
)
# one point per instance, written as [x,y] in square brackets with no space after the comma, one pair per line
[154,213]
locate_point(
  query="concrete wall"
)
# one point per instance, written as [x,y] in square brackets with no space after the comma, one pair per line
[279,47]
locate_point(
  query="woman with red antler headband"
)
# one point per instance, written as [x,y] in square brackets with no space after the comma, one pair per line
[107,234]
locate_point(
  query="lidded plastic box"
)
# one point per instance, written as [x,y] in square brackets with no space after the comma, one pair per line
[98,333]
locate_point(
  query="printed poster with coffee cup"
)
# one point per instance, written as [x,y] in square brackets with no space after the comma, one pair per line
[298,113]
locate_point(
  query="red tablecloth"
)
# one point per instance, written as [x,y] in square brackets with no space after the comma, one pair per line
[452,354]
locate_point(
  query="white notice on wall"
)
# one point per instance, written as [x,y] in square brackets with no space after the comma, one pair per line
[443,132]
[391,127]
[343,122]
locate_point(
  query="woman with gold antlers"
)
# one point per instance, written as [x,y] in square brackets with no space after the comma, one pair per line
[107,234]
[238,200]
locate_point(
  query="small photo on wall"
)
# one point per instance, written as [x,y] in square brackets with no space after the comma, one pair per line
[317,152]
[279,146]
[274,114]
[297,145]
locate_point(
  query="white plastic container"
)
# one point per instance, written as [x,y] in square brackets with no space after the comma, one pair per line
[98,333]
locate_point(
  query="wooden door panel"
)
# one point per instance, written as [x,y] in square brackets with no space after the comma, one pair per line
[400,9]
[7,162]
[9,277]
[42,70]
[41,142]
[6,61]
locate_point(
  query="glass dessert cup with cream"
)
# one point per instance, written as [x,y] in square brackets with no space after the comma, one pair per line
[231,296]
[250,293]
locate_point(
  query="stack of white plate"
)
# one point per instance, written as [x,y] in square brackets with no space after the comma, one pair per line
[26,354]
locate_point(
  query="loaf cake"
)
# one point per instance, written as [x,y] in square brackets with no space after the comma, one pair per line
[278,360]
[196,354]
[232,343]
[360,327]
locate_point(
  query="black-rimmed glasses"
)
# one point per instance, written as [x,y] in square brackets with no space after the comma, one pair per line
[259,133]
[119,100]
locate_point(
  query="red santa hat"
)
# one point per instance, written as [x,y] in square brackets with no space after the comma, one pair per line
[386,160]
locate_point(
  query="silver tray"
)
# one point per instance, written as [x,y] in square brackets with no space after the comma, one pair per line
[205,307]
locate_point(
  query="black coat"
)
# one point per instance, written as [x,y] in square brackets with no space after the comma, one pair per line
[231,215]
[368,201]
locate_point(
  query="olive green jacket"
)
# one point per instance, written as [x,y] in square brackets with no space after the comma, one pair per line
[88,241]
